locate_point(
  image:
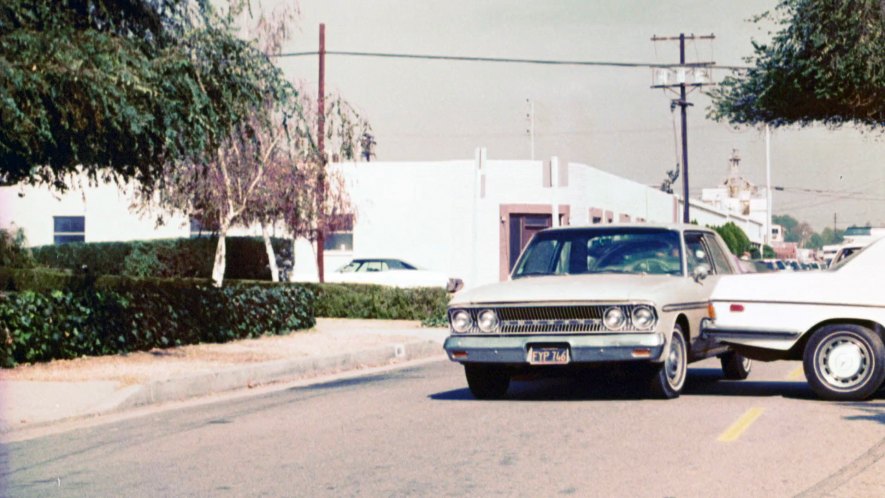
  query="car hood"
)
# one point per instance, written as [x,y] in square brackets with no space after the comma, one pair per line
[561,288]
[825,287]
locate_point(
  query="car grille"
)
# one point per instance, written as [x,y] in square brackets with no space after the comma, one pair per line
[551,319]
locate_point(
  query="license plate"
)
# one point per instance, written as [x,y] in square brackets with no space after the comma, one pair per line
[548,356]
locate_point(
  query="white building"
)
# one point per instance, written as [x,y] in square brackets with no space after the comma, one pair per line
[468,218]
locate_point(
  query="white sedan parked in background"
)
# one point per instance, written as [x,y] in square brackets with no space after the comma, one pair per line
[832,320]
[391,272]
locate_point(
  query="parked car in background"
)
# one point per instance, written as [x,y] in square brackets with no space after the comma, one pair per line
[775,264]
[844,252]
[834,321]
[761,267]
[391,272]
[585,296]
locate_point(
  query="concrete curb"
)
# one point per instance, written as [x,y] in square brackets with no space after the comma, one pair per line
[182,388]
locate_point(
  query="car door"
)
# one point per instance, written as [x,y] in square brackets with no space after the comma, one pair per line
[699,252]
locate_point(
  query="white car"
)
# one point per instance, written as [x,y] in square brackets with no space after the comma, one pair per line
[391,272]
[588,296]
[833,320]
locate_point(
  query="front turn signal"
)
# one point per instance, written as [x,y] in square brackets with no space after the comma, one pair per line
[711,311]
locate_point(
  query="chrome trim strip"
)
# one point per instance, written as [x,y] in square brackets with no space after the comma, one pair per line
[514,304]
[801,303]
[716,332]
[685,306]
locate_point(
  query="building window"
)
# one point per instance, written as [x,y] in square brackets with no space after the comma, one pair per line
[338,241]
[67,229]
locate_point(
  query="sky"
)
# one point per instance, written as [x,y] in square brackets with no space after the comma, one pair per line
[608,118]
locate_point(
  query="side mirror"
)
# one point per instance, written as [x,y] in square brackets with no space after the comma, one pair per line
[700,273]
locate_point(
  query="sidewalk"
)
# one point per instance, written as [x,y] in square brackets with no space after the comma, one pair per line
[34,395]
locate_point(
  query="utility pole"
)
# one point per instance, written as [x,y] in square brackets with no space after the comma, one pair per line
[321,147]
[701,77]
[531,130]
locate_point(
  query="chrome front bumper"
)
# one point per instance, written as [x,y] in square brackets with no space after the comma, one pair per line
[582,348]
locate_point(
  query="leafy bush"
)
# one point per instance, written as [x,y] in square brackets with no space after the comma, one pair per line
[735,238]
[169,258]
[14,251]
[375,301]
[84,315]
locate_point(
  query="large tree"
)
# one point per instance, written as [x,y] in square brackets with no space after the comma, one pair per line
[119,89]
[825,63]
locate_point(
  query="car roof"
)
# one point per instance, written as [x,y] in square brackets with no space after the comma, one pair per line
[680,227]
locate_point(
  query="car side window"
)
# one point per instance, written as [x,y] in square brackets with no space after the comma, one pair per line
[719,256]
[696,253]
[372,266]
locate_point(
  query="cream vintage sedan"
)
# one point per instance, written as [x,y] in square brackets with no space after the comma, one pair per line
[834,321]
[630,294]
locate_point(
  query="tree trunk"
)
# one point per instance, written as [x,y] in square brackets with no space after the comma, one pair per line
[220,255]
[271,257]
[292,269]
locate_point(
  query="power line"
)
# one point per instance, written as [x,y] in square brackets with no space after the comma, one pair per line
[509,60]
[860,196]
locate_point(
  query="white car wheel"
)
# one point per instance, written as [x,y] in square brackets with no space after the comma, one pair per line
[844,362]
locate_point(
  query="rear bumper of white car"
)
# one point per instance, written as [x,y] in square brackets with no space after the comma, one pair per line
[582,348]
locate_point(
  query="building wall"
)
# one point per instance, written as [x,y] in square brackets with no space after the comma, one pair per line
[106,209]
[449,216]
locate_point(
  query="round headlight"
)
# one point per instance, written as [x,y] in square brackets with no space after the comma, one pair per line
[643,318]
[487,321]
[614,318]
[461,321]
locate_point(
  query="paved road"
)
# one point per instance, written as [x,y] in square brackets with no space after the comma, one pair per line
[418,432]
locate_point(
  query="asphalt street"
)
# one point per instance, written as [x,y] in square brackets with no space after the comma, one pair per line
[418,432]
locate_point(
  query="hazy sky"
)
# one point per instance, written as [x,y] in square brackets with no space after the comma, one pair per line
[605,117]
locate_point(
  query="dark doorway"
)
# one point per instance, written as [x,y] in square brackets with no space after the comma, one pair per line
[522,228]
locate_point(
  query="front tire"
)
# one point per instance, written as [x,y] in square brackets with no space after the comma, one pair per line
[669,377]
[487,381]
[844,362]
[735,366]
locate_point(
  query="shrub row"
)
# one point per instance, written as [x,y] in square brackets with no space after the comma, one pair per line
[375,301]
[45,316]
[167,258]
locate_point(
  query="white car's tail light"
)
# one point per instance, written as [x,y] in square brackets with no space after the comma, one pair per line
[736,308]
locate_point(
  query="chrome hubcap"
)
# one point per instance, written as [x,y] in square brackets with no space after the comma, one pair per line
[674,365]
[844,362]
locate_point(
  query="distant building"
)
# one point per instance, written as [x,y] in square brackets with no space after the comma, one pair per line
[738,195]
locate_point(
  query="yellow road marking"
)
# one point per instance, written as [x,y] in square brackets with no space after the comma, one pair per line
[798,374]
[742,424]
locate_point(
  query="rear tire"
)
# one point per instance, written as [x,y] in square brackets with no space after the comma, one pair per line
[735,366]
[844,362]
[669,377]
[487,381]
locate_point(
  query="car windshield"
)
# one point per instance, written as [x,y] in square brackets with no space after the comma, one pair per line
[846,256]
[600,250]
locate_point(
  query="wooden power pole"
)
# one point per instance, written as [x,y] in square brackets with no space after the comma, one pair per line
[682,73]
[321,146]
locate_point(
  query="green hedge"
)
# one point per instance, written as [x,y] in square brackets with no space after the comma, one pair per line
[45,316]
[166,258]
[14,250]
[375,301]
